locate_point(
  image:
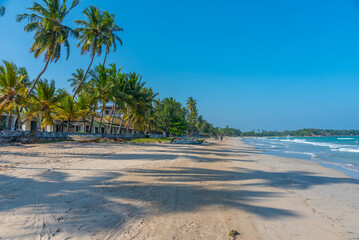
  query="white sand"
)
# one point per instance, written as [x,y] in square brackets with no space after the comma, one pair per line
[162,191]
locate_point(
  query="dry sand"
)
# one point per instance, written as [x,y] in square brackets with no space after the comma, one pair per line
[72,190]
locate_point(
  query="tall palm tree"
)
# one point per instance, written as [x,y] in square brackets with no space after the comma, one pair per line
[2,10]
[119,92]
[45,102]
[50,32]
[12,89]
[103,85]
[110,37]
[69,110]
[90,34]
[193,113]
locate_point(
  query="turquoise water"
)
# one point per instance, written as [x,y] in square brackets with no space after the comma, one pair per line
[341,153]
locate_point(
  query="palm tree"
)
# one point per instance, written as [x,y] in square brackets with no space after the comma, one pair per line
[109,36]
[103,85]
[143,108]
[45,103]
[135,87]
[76,79]
[119,92]
[12,89]
[90,35]
[85,106]
[69,110]
[2,10]
[192,116]
[50,33]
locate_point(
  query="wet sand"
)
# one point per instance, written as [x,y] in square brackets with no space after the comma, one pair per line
[70,190]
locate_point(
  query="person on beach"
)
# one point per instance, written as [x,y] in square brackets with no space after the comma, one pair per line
[221,138]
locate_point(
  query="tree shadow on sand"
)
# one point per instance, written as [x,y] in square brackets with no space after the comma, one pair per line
[108,200]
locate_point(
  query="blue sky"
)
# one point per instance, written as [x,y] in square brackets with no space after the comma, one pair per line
[250,64]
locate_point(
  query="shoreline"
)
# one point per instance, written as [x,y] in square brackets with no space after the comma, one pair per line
[161,191]
[332,165]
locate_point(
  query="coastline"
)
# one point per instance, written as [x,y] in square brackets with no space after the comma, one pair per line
[162,191]
[307,156]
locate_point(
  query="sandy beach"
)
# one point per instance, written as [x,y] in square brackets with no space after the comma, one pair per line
[69,190]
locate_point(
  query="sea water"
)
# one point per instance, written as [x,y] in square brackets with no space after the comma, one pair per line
[341,153]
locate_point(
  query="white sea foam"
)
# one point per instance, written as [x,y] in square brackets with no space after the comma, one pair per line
[353,150]
[345,138]
[322,144]
[305,153]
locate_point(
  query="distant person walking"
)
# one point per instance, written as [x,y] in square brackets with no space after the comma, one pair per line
[221,138]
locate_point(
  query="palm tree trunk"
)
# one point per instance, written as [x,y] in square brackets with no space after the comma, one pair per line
[68,125]
[113,117]
[128,126]
[87,71]
[91,124]
[37,79]
[84,124]
[9,122]
[120,127]
[103,109]
[109,118]
[104,61]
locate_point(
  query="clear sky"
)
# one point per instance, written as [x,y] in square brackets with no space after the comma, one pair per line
[254,64]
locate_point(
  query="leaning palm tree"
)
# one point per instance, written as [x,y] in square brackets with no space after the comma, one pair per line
[45,102]
[50,33]
[12,89]
[2,10]
[110,37]
[90,35]
[69,110]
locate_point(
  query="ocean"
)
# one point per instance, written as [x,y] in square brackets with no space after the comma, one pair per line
[341,153]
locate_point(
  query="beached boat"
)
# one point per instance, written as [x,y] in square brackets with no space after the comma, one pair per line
[189,141]
[85,138]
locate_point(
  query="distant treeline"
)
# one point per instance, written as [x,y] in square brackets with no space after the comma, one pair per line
[301,133]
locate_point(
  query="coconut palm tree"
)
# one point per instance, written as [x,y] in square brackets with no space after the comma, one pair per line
[50,33]
[69,110]
[45,103]
[91,33]
[76,79]
[12,89]
[109,37]
[143,108]
[101,82]
[193,113]
[119,92]
[2,10]
[85,105]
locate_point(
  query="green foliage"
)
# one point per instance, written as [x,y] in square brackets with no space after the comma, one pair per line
[46,21]
[169,115]
[45,102]
[191,104]
[178,126]
[230,132]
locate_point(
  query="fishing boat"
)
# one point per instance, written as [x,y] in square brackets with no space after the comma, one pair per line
[189,141]
[85,138]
